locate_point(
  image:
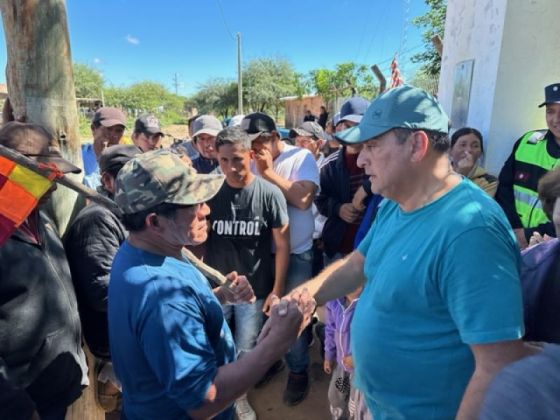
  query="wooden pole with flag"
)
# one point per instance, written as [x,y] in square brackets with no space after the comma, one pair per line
[23,181]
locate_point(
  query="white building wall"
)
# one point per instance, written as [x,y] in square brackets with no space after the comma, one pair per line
[515,45]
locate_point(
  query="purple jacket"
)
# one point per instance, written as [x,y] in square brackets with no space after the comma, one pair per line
[337,330]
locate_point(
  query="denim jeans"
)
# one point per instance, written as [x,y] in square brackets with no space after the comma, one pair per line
[248,318]
[299,271]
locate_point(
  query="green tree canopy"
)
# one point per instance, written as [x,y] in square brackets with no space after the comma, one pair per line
[147,97]
[344,80]
[433,22]
[266,80]
[216,95]
[87,81]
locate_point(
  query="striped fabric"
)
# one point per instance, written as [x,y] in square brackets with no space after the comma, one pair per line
[20,191]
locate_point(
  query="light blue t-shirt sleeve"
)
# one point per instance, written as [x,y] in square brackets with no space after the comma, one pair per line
[177,347]
[480,283]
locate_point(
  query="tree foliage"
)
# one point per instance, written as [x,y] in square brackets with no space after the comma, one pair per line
[88,82]
[345,80]
[147,97]
[433,23]
[218,96]
[266,80]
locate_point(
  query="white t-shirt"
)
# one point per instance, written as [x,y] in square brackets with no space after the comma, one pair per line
[296,164]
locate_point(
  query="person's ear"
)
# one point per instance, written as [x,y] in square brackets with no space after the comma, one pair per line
[152,220]
[108,182]
[419,146]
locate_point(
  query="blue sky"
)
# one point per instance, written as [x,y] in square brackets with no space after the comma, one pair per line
[135,40]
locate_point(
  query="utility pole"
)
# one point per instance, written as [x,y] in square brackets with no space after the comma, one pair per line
[239,77]
[176,83]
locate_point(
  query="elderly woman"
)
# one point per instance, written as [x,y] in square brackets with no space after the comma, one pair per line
[540,275]
[466,150]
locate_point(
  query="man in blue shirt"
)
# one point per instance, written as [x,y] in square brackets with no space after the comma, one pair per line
[170,345]
[107,128]
[441,309]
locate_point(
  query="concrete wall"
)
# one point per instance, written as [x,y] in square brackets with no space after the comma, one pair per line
[516,49]
[295,109]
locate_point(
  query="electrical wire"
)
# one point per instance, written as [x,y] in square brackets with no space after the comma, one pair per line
[224,19]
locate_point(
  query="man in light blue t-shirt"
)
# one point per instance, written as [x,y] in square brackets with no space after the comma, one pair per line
[441,309]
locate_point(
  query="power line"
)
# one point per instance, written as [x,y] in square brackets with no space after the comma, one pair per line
[224,19]
[404,32]
[383,15]
[365,30]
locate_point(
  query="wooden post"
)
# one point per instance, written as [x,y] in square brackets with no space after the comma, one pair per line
[438,44]
[382,80]
[40,80]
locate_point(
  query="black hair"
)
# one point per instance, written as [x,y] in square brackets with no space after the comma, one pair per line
[234,136]
[438,140]
[136,222]
[463,132]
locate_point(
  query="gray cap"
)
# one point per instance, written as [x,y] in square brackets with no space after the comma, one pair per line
[308,129]
[207,124]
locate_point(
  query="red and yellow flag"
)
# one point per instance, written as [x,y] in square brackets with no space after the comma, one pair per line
[20,191]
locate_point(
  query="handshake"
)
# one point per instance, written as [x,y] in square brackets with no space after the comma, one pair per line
[288,316]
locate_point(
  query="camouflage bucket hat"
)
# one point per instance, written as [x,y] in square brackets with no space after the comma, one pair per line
[160,176]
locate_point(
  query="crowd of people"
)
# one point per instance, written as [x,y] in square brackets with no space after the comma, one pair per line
[437,277]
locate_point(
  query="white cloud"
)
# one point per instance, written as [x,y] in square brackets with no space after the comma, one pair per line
[97,60]
[132,40]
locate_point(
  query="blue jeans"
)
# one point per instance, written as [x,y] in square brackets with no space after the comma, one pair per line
[248,318]
[299,271]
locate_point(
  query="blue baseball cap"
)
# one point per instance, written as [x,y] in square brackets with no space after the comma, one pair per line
[401,107]
[353,109]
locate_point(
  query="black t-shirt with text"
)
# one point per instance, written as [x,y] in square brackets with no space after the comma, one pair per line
[240,237]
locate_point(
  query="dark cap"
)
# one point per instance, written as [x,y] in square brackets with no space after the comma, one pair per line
[35,142]
[147,124]
[308,129]
[114,157]
[551,94]
[109,116]
[353,109]
[257,123]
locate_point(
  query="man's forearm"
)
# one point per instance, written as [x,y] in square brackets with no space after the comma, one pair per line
[234,379]
[296,195]
[281,261]
[338,279]
[485,372]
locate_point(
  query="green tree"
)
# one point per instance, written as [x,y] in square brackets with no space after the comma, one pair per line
[218,96]
[265,81]
[147,97]
[346,79]
[87,81]
[433,23]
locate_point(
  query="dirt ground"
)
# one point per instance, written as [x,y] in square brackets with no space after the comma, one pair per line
[268,404]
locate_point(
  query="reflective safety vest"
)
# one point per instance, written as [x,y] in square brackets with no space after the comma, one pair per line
[536,161]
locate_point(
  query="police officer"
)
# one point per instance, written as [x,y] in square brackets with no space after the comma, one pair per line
[533,155]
